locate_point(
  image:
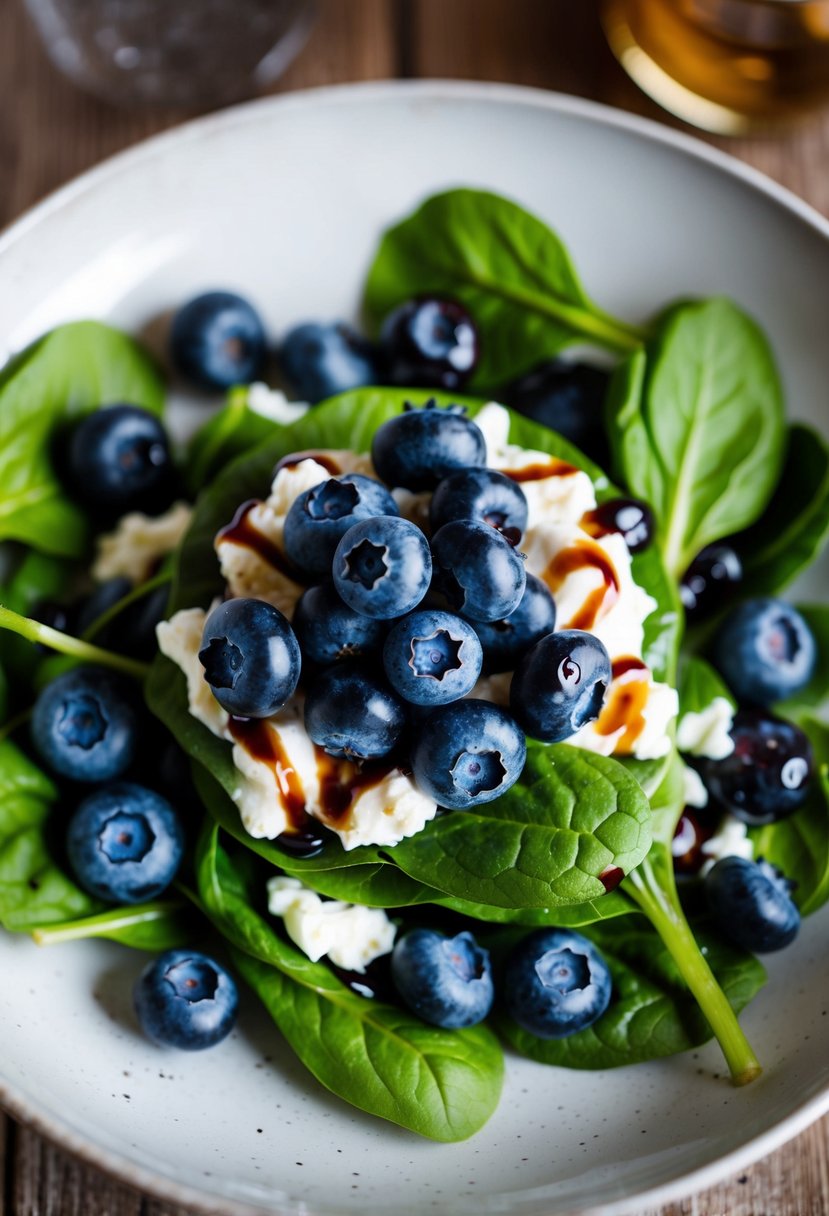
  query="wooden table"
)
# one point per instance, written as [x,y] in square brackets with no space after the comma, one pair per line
[49,132]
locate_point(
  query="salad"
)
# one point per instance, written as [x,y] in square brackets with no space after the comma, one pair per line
[450,705]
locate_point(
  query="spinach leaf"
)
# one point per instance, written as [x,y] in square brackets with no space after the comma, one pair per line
[160,925]
[699,426]
[651,1013]
[234,430]
[799,846]
[33,889]
[812,702]
[35,578]
[506,266]
[72,370]
[544,842]
[442,1084]
[794,526]
[608,907]
[699,685]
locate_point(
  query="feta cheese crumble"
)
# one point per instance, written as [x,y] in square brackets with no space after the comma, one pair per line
[139,542]
[731,840]
[696,795]
[272,404]
[707,733]
[351,935]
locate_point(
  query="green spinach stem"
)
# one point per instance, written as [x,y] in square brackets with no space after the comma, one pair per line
[64,643]
[661,905]
[105,923]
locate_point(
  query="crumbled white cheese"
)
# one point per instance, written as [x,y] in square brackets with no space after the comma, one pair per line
[351,935]
[696,794]
[139,542]
[592,584]
[180,640]
[707,733]
[272,404]
[645,729]
[268,791]
[384,813]
[412,506]
[731,840]
[560,497]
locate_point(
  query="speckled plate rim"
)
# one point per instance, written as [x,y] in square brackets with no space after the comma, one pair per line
[434,91]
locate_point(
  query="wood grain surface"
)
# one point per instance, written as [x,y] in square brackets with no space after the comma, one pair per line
[49,132]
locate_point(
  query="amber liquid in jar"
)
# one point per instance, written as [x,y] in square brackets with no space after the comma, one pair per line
[731,66]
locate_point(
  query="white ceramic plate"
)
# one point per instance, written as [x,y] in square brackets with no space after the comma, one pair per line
[284,200]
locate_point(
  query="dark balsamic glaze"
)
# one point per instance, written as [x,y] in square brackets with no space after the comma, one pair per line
[611,877]
[240,531]
[582,555]
[540,472]
[342,780]
[303,838]
[627,663]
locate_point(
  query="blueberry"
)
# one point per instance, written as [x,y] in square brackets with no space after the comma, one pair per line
[118,460]
[693,828]
[483,495]
[444,980]
[478,570]
[765,651]
[185,999]
[768,774]
[318,518]
[752,905]
[105,596]
[328,630]
[568,398]
[419,447]
[132,630]
[432,658]
[505,642]
[250,657]
[560,685]
[85,725]
[382,567]
[429,342]
[467,753]
[710,581]
[218,340]
[125,843]
[631,519]
[351,712]
[556,983]
[323,360]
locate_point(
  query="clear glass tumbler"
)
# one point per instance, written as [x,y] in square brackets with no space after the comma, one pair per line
[172,52]
[731,66]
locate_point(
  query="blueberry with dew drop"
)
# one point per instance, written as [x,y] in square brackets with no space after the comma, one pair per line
[218,340]
[446,981]
[321,360]
[185,999]
[556,983]
[751,904]
[351,712]
[765,651]
[429,342]
[250,656]
[418,447]
[118,459]
[432,657]
[125,843]
[768,775]
[85,725]
[467,753]
[319,517]
[382,567]
[478,571]
[560,685]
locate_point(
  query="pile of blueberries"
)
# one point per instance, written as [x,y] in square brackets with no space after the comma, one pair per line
[397,628]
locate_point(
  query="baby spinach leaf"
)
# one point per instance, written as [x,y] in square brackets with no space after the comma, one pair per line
[607,908]
[442,1084]
[72,370]
[651,1013]
[544,842]
[160,925]
[799,846]
[699,426]
[699,685]
[33,889]
[506,266]
[234,430]
[794,526]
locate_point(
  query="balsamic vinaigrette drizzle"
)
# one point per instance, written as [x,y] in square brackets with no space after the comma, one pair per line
[585,554]
[541,471]
[240,531]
